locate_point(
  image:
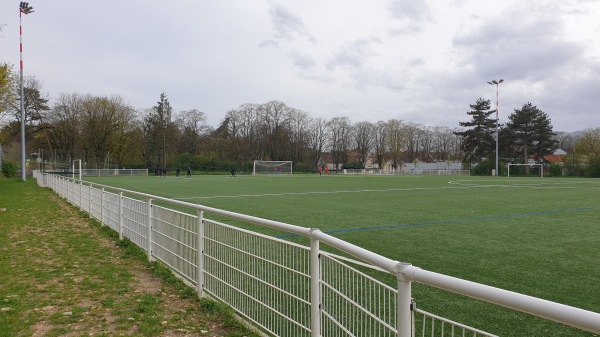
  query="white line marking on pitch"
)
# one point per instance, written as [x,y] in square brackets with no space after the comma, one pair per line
[328,192]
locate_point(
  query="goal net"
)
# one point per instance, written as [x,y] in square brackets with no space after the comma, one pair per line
[272,167]
[525,170]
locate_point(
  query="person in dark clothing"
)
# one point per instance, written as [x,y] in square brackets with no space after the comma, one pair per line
[189,172]
[233,171]
[177,172]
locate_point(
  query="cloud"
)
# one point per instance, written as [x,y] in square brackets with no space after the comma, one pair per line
[520,46]
[353,54]
[268,43]
[301,60]
[411,16]
[286,24]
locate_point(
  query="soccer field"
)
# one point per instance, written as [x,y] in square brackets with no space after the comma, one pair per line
[537,236]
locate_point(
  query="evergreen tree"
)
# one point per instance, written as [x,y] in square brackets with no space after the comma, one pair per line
[478,140]
[530,132]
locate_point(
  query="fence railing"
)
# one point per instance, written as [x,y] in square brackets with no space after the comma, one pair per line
[284,288]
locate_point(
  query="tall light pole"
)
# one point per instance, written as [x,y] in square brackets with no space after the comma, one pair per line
[496,83]
[24,8]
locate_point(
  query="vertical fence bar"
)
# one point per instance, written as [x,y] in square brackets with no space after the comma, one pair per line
[403,321]
[200,254]
[102,206]
[80,192]
[90,201]
[120,215]
[315,286]
[149,233]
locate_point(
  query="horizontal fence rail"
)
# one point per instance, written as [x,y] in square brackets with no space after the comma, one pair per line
[284,288]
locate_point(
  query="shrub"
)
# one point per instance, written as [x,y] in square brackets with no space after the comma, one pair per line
[483,169]
[9,169]
[555,170]
[352,166]
[594,168]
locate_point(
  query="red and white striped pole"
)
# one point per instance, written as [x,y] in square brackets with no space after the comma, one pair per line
[24,8]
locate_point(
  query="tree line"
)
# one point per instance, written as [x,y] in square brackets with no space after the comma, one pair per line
[107,132]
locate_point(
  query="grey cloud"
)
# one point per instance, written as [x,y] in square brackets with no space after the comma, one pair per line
[268,43]
[353,54]
[518,46]
[301,60]
[287,24]
[411,15]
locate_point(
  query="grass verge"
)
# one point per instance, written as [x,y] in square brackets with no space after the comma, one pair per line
[61,274]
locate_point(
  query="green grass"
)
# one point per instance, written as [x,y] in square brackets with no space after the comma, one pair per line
[537,236]
[63,274]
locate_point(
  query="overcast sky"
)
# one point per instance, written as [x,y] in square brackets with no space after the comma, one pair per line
[413,60]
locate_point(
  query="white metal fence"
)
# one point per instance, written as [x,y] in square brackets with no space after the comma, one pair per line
[284,288]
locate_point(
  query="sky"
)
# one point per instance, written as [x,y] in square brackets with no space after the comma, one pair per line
[414,60]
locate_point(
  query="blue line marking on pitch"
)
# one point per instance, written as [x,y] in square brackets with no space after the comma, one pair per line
[440,222]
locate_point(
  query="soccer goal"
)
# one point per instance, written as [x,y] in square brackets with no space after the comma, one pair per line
[272,167]
[522,170]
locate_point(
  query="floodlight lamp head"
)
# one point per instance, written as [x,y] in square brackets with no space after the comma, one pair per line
[25,8]
[494,82]
[501,80]
[490,83]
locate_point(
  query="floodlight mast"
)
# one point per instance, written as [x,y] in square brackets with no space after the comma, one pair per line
[24,8]
[496,83]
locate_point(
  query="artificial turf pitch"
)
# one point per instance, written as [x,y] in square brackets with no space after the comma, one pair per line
[537,236]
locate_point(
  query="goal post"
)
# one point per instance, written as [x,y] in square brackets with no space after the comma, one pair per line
[76,168]
[514,166]
[271,167]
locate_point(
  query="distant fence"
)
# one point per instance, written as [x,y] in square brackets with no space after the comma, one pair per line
[75,172]
[439,172]
[288,289]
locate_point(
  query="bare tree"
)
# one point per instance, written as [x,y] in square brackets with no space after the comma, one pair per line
[340,131]
[364,138]
[380,141]
[396,141]
[64,128]
[317,139]
[104,121]
[192,127]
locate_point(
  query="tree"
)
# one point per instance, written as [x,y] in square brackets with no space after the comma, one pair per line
[6,84]
[588,147]
[364,141]
[380,143]
[317,140]
[530,132]
[567,140]
[478,140]
[157,125]
[397,136]
[104,123]
[339,135]
[63,131]
[35,103]
[589,144]
[192,127]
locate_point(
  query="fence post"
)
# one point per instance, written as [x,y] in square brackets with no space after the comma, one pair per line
[404,324]
[315,286]
[102,206]
[200,254]
[149,230]
[121,215]
[80,193]
[90,200]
